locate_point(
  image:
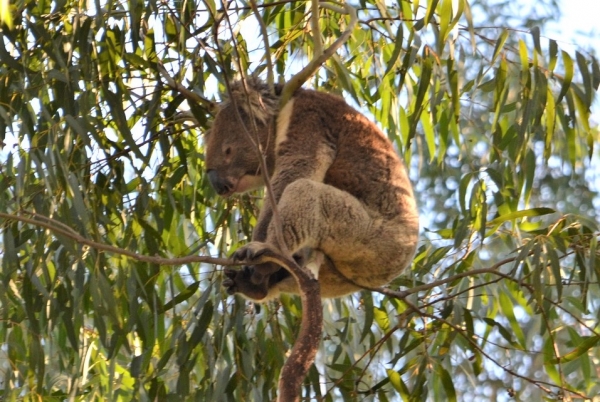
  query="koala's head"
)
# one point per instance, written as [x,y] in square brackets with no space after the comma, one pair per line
[232,162]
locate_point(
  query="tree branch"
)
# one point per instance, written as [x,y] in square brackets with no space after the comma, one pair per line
[404,293]
[189,95]
[297,80]
[543,385]
[316,31]
[265,36]
[305,348]
[62,229]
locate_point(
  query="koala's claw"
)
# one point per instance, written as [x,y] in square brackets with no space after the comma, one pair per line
[240,281]
[251,252]
[230,282]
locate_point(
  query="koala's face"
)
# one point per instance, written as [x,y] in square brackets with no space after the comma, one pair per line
[231,159]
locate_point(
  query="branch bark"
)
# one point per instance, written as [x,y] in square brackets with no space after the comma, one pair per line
[305,348]
[316,32]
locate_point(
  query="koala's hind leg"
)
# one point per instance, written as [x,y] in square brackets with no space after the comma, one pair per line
[363,247]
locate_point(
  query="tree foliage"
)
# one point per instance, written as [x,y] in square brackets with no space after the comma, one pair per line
[102,110]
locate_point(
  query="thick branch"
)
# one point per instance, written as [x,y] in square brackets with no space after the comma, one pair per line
[314,25]
[305,348]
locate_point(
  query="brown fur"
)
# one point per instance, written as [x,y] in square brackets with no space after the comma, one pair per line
[341,190]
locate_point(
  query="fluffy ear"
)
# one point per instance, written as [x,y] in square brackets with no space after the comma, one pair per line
[255,98]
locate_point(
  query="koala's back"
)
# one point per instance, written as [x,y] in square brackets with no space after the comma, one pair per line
[365,163]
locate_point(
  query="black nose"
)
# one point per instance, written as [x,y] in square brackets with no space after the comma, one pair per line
[220,184]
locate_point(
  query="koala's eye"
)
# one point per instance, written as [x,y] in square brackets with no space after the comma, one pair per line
[227,151]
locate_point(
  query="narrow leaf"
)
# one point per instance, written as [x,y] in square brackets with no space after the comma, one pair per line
[397,49]
[507,308]
[588,343]
[568,62]
[553,55]
[521,214]
[587,79]
[535,33]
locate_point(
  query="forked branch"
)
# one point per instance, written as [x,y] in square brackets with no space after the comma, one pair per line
[297,80]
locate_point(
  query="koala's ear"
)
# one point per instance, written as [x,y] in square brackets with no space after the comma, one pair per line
[255,98]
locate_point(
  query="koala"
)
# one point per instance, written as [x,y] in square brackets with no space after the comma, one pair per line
[345,202]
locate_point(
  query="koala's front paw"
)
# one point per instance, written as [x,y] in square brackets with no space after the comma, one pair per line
[240,281]
[253,251]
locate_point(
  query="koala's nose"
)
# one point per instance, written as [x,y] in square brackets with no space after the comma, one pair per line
[220,184]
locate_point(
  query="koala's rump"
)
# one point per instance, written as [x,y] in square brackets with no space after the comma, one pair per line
[365,163]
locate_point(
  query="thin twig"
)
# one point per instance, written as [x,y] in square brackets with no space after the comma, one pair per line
[256,144]
[538,383]
[300,78]
[183,90]
[404,293]
[61,229]
[265,36]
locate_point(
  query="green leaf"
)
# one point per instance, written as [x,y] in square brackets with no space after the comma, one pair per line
[587,79]
[422,91]
[535,34]
[555,269]
[382,318]
[397,49]
[369,315]
[431,6]
[398,384]
[595,74]
[521,214]
[446,381]
[506,334]
[181,297]
[429,135]
[566,82]
[507,308]
[445,15]
[523,55]
[587,343]
[553,48]
[499,45]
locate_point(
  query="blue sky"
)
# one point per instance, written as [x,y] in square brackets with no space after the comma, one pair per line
[579,24]
[579,28]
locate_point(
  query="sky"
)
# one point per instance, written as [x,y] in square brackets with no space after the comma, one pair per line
[579,23]
[579,28]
